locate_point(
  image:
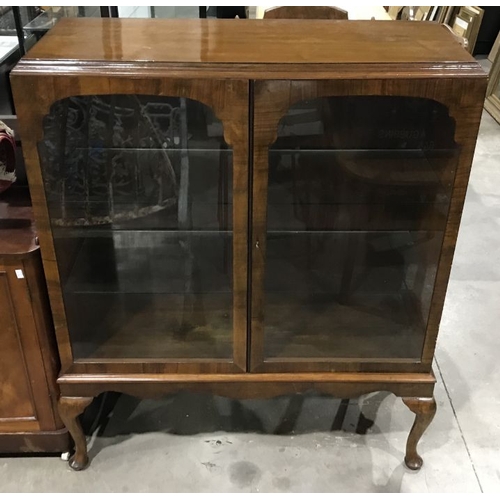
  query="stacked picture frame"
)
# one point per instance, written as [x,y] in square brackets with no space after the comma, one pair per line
[464,21]
[492,102]
[466,24]
[495,49]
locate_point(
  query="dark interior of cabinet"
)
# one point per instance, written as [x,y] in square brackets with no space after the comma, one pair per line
[140,201]
[358,195]
[139,192]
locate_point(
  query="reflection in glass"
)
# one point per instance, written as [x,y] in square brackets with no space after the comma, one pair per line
[139,197]
[359,192]
[48,17]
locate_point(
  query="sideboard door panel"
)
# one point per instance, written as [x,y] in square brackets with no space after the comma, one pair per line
[351,201]
[16,402]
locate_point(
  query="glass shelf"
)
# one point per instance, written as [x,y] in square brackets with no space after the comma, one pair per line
[166,262]
[359,189]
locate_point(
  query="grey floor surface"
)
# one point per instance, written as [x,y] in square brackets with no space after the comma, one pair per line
[194,443]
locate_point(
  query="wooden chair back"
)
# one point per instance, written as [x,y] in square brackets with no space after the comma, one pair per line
[307,12]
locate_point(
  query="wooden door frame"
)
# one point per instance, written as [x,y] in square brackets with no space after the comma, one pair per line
[272,98]
[229,101]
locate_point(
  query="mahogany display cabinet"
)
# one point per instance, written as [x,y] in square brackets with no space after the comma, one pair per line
[250,208]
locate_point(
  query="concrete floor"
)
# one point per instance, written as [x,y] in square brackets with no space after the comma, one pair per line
[195,443]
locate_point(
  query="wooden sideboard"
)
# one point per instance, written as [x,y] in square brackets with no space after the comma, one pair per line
[29,420]
[250,208]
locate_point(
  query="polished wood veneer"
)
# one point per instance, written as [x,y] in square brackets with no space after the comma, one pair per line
[249,41]
[251,49]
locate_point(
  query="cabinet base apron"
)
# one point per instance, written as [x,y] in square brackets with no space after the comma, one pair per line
[416,390]
[34,442]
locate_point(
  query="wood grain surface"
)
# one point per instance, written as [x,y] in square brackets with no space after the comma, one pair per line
[248,41]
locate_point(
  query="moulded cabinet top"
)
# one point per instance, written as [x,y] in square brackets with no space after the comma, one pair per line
[248,45]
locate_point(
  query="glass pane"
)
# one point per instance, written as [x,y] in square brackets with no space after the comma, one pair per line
[140,201]
[359,191]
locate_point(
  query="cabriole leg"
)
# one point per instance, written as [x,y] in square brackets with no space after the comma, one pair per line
[69,410]
[424,409]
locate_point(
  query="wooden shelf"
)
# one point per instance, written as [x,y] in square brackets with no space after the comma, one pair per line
[144,326]
[321,327]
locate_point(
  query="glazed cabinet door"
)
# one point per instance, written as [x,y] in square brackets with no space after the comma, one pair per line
[357,194]
[140,190]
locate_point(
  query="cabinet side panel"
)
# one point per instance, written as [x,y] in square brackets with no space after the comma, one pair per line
[465,98]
